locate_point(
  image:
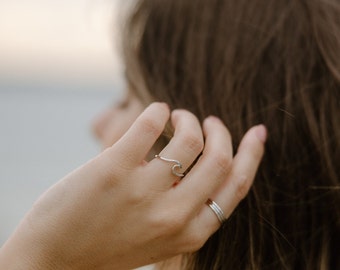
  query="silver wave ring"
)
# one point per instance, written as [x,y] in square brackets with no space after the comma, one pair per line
[175,167]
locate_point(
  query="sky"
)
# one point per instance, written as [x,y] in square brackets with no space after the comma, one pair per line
[69,40]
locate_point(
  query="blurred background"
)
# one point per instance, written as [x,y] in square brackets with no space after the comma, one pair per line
[58,68]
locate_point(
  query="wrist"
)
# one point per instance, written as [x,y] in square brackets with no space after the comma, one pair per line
[24,252]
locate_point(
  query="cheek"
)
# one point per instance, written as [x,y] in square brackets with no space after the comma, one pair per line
[115,129]
[112,125]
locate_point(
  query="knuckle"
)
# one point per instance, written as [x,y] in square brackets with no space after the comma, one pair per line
[170,222]
[111,164]
[195,241]
[151,126]
[136,196]
[241,187]
[222,161]
[110,171]
[176,222]
[193,142]
[106,173]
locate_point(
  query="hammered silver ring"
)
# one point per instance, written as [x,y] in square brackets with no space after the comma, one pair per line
[217,210]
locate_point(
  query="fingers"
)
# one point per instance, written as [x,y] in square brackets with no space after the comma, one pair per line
[240,178]
[212,167]
[186,144]
[216,175]
[141,136]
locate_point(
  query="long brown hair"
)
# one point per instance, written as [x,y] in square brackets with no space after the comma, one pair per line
[275,62]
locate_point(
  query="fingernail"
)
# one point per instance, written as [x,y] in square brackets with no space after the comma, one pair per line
[214,118]
[261,133]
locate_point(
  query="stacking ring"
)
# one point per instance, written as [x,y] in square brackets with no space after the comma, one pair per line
[177,165]
[217,210]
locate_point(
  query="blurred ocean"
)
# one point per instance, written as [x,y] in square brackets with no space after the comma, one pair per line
[45,132]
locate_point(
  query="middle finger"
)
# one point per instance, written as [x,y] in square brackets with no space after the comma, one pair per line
[185,146]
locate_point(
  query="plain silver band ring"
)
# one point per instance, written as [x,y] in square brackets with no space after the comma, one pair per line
[177,165]
[217,210]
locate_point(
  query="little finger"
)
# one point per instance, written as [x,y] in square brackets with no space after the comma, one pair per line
[239,180]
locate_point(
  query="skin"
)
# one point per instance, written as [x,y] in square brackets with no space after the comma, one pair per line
[111,124]
[119,211]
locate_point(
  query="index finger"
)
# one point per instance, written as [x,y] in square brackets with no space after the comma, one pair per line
[135,144]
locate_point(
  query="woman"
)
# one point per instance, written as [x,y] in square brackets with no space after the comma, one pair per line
[133,204]
[249,62]
[120,211]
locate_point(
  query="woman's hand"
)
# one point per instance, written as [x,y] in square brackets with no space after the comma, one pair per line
[119,211]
